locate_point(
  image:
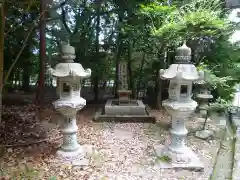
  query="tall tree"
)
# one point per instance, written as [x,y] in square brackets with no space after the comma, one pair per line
[2,28]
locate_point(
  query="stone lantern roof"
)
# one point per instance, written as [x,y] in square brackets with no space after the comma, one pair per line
[182,69]
[70,69]
[67,67]
[203,79]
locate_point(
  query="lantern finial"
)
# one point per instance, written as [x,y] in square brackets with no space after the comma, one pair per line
[183,54]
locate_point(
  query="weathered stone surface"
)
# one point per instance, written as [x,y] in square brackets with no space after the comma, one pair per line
[186,160]
[99,117]
[236,171]
[135,108]
[204,134]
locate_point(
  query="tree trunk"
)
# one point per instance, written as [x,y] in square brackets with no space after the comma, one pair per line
[157,90]
[2,27]
[96,78]
[40,91]
[42,54]
[95,88]
[130,74]
[26,77]
[140,73]
[159,82]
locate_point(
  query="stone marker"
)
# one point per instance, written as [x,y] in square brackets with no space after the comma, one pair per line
[124,109]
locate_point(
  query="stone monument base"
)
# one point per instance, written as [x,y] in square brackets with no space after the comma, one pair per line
[75,158]
[132,107]
[100,117]
[187,160]
[133,111]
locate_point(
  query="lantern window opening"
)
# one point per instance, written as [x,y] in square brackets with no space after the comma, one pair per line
[183,90]
[66,88]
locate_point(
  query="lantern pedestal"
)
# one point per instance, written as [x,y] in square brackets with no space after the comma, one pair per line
[71,151]
[180,156]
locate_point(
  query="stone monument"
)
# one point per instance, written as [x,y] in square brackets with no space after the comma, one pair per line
[124,108]
[180,106]
[204,95]
[123,92]
[69,76]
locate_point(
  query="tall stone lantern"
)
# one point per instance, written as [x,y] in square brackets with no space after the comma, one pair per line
[69,76]
[180,106]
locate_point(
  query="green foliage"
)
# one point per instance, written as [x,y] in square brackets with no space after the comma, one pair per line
[205,26]
[52,178]
[219,106]
[20,18]
[213,80]
[164,159]
[151,27]
[197,18]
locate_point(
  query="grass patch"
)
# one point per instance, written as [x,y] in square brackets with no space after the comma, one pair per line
[164,159]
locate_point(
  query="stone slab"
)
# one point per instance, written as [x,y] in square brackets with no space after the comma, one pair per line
[204,134]
[222,164]
[233,126]
[194,164]
[99,117]
[127,109]
[236,170]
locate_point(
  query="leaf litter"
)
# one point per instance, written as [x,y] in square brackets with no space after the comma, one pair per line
[118,151]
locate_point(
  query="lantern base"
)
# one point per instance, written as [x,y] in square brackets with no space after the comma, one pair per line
[186,160]
[77,157]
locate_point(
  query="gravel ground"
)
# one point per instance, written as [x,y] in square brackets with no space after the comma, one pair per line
[120,152]
[126,151]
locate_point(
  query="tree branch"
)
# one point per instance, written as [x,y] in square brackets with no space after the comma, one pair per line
[77,21]
[19,53]
[64,21]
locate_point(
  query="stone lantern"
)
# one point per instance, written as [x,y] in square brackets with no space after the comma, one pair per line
[180,106]
[204,94]
[69,76]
